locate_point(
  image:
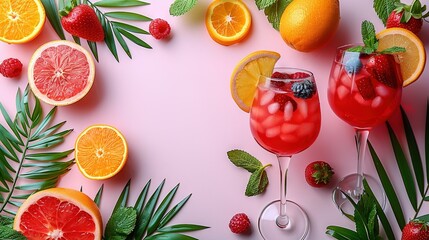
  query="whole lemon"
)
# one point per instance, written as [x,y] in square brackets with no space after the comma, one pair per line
[306,25]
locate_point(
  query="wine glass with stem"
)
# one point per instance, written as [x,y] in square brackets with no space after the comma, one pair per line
[364,90]
[285,120]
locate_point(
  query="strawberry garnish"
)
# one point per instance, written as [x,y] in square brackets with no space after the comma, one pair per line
[365,87]
[381,68]
[318,173]
[415,230]
[406,16]
[81,21]
[283,99]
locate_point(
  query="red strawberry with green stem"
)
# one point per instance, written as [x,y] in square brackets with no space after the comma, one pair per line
[415,230]
[381,67]
[81,21]
[318,173]
[406,16]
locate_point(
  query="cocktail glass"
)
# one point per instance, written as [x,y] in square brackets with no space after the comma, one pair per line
[285,120]
[364,91]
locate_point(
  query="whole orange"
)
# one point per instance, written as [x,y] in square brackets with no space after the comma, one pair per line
[307,25]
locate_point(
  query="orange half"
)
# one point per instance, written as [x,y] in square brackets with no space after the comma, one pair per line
[228,21]
[21,20]
[100,152]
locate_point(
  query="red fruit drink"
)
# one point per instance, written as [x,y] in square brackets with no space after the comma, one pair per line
[364,89]
[283,120]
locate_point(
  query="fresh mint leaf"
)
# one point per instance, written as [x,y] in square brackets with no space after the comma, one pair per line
[121,223]
[262,4]
[244,160]
[180,7]
[368,36]
[7,233]
[355,49]
[6,221]
[258,182]
[383,8]
[393,50]
[274,12]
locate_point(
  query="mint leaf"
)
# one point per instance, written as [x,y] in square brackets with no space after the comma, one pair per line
[274,12]
[393,50]
[262,4]
[121,223]
[243,159]
[6,221]
[7,233]
[258,182]
[368,36]
[180,7]
[383,8]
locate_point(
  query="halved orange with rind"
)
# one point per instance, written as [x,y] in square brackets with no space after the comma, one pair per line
[246,74]
[413,60]
[101,151]
[228,21]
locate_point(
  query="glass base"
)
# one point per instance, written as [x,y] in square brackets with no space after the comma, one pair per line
[298,226]
[348,185]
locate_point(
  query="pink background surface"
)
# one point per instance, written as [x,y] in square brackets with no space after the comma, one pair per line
[174,107]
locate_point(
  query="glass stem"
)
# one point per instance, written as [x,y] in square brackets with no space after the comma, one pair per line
[283,220]
[361,144]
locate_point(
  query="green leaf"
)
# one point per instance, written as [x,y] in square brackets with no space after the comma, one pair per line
[424,218]
[274,12]
[121,223]
[108,35]
[128,27]
[133,38]
[342,233]
[123,198]
[46,120]
[427,141]
[170,236]
[53,17]
[120,3]
[388,188]
[97,198]
[128,16]
[383,8]
[369,37]
[48,156]
[166,219]
[93,47]
[414,152]
[7,233]
[182,228]
[404,169]
[258,182]
[160,211]
[262,4]
[121,41]
[180,7]
[392,50]
[10,123]
[244,160]
[6,221]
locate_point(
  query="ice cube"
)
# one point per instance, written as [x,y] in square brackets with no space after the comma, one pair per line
[267,97]
[271,121]
[289,128]
[257,113]
[288,112]
[342,92]
[289,138]
[273,132]
[303,108]
[273,107]
[376,102]
[382,90]
[346,80]
[306,129]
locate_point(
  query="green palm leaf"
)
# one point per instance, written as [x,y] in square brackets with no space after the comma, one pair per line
[30,130]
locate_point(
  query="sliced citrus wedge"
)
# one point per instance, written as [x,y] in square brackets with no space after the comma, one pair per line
[228,21]
[413,60]
[100,152]
[245,77]
[21,20]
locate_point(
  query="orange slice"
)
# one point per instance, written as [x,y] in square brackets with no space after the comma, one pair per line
[228,21]
[413,60]
[61,72]
[100,152]
[59,213]
[245,77]
[21,20]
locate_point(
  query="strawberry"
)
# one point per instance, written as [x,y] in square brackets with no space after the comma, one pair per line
[365,87]
[283,99]
[406,16]
[415,230]
[318,173]
[381,67]
[81,21]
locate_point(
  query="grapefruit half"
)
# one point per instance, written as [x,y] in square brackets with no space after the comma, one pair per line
[61,72]
[59,213]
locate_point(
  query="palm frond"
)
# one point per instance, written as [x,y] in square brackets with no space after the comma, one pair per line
[27,162]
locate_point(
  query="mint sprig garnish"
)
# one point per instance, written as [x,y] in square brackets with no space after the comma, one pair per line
[370,41]
[6,229]
[383,8]
[180,7]
[121,223]
[258,180]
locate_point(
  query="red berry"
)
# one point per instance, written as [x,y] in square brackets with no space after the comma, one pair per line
[365,87]
[415,230]
[413,24]
[284,99]
[159,28]
[318,173]
[382,68]
[299,75]
[280,75]
[11,67]
[239,223]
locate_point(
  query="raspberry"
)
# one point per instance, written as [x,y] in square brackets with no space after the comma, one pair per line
[159,28]
[239,223]
[11,67]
